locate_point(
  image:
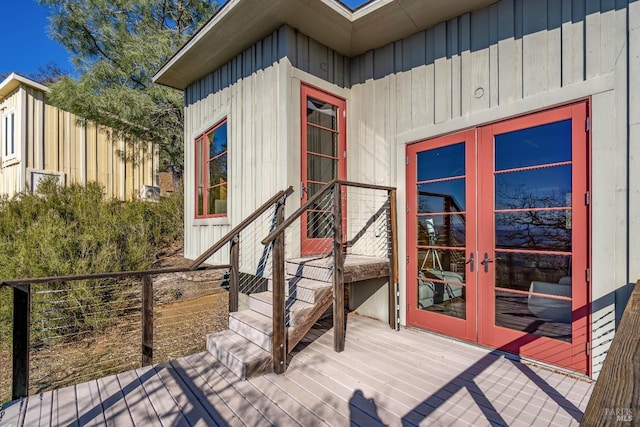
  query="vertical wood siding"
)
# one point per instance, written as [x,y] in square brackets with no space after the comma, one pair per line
[502,55]
[57,141]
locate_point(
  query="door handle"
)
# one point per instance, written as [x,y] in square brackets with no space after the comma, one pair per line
[487,260]
[470,261]
[303,190]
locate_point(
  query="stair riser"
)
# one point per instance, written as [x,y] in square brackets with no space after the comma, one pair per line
[240,369]
[254,335]
[261,307]
[309,271]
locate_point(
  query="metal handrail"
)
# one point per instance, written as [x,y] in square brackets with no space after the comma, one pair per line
[237,229]
[108,275]
[272,236]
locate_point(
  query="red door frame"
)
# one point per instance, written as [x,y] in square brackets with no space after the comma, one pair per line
[452,326]
[312,246]
[481,235]
[570,355]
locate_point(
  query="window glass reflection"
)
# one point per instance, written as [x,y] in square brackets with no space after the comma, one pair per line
[443,298]
[548,143]
[533,314]
[442,230]
[441,162]
[442,196]
[518,270]
[537,188]
[540,230]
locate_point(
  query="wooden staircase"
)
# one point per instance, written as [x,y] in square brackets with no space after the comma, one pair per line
[245,348]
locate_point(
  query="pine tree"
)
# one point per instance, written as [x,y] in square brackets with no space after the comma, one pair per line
[117,46]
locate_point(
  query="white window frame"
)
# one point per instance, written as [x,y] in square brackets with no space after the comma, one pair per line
[8,137]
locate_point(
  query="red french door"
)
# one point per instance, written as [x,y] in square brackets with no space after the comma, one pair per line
[516,208]
[323,153]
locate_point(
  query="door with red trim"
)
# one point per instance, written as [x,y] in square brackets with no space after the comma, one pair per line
[323,154]
[525,290]
[441,182]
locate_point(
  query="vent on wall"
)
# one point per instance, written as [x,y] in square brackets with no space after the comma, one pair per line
[35,177]
[149,192]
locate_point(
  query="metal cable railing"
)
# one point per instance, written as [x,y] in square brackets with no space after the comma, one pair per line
[335,220]
[69,329]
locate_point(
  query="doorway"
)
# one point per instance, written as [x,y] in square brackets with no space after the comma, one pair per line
[497,235]
[323,154]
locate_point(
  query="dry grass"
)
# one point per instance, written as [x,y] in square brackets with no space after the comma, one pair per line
[180,328]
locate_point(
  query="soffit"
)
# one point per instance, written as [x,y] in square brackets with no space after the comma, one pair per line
[240,23]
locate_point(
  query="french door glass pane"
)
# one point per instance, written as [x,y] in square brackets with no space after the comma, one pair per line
[443,162]
[534,230]
[534,314]
[539,145]
[442,298]
[442,230]
[442,196]
[548,187]
[517,271]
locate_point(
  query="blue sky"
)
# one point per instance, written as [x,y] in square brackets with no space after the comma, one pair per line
[26,44]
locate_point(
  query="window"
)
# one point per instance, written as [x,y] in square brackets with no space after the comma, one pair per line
[211,172]
[8,135]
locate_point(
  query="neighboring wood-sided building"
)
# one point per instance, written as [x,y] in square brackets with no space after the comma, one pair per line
[510,129]
[40,140]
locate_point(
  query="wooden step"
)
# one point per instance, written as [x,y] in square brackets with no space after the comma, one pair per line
[241,356]
[294,309]
[303,289]
[253,326]
[311,268]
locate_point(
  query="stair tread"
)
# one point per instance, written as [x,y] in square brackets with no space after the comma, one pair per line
[256,320]
[267,297]
[242,349]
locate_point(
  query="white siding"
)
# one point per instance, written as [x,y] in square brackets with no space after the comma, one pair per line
[245,91]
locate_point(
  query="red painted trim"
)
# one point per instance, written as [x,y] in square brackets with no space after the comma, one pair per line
[311,246]
[204,170]
[460,328]
[480,189]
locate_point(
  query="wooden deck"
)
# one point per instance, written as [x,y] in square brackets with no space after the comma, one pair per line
[382,378]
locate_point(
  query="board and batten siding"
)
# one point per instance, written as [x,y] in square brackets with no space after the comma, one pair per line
[511,58]
[54,141]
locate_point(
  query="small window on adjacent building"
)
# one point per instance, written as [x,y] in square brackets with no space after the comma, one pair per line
[8,135]
[211,172]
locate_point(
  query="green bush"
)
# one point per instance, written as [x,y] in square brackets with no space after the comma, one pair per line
[76,230]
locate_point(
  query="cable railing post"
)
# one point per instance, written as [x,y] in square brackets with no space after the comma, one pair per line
[147,320]
[394,295]
[279,347]
[338,272]
[21,339]
[234,274]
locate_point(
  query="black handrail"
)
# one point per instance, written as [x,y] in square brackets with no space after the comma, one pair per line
[237,229]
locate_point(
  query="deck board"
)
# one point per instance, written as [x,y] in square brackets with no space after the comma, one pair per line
[115,408]
[168,412]
[90,411]
[383,377]
[64,408]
